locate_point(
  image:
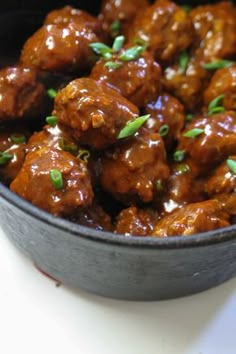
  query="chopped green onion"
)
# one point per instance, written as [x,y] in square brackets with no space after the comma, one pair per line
[118,43]
[51,120]
[164,130]
[113,65]
[183,61]
[5,157]
[159,185]
[219,109]
[107,56]
[182,168]
[141,42]
[51,93]
[232,165]
[83,155]
[56,178]
[179,155]
[132,53]
[189,117]
[101,49]
[18,138]
[133,126]
[218,64]
[68,146]
[115,28]
[186,8]
[215,103]
[193,133]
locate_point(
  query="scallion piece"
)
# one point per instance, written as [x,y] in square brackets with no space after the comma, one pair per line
[187,8]
[231,165]
[113,65]
[219,109]
[179,155]
[193,133]
[164,130]
[132,53]
[189,117]
[218,64]
[118,43]
[83,155]
[51,93]
[115,28]
[18,138]
[215,103]
[183,61]
[5,157]
[159,185]
[101,49]
[133,126]
[51,120]
[182,168]
[56,178]
[68,146]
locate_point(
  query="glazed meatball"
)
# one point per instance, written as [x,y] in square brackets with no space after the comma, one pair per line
[131,169]
[187,85]
[123,11]
[165,27]
[191,219]
[60,48]
[222,180]
[21,95]
[223,82]
[35,181]
[215,28]
[138,80]
[135,222]
[12,151]
[166,111]
[213,143]
[92,112]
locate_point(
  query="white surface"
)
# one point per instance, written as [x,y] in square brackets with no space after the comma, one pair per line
[36,317]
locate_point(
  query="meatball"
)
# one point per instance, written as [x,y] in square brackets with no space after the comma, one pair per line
[222,180]
[187,85]
[209,140]
[12,151]
[21,95]
[191,219]
[138,80]
[92,112]
[135,222]
[131,170]
[166,111]
[122,10]
[60,48]
[35,181]
[165,27]
[223,82]
[214,30]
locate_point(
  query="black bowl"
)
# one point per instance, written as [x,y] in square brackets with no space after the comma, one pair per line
[116,266]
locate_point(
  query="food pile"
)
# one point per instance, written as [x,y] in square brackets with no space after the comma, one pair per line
[126,122]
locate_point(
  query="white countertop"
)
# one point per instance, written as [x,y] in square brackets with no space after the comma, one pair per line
[36,317]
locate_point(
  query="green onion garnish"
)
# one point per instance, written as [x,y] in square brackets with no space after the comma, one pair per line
[83,155]
[118,43]
[132,53]
[51,93]
[18,138]
[182,168]
[164,130]
[193,133]
[159,185]
[215,103]
[5,157]
[115,28]
[218,64]
[68,146]
[133,126]
[179,155]
[186,8]
[219,109]
[51,120]
[141,42]
[101,49]
[189,117]
[183,61]
[113,65]
[56,178]
[232,165]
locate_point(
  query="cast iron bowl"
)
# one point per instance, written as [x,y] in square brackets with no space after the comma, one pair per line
[133,268]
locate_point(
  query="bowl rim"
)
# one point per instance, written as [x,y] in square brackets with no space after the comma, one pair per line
[171,242]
